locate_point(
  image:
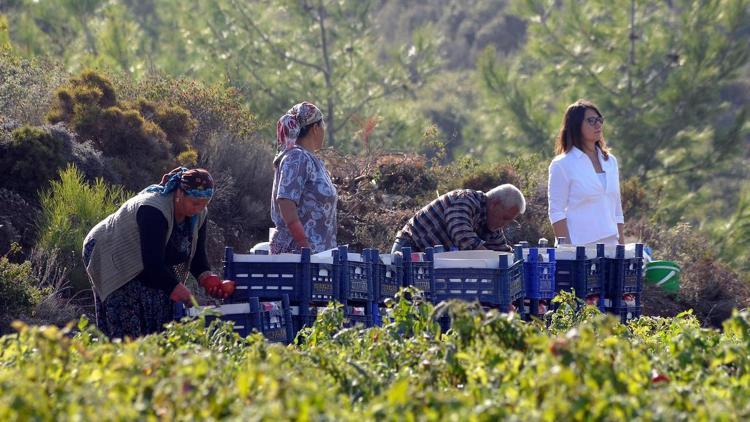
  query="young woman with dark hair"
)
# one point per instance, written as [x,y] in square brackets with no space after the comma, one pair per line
[585,206]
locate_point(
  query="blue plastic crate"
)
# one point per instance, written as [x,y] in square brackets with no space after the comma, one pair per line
[354,315]
[323,282]
[539,275]
[276,325]
[238,314]
[302,280]
[301,320]
[585,275]
[357,282]
[256,276]
[623,275]
[388,278]
[626,313]
[420,274]
[495,287]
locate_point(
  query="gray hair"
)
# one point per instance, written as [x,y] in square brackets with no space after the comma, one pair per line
[509,196]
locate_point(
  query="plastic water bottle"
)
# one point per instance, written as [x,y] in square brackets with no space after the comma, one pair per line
[543,242]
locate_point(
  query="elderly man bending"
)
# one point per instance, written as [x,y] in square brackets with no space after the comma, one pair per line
[464,218]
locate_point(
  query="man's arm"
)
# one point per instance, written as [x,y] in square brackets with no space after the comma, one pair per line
[458,221]
[498,242]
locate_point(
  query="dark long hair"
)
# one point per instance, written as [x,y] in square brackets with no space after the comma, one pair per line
[570,131]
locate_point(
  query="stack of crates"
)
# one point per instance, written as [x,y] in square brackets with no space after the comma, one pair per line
[307,282]
[275,322]
[624,283]
[583,274]
[357,291]
[419,270]
[496,287]
[388,278]
[539,275]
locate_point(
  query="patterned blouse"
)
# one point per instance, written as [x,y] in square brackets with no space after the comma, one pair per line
[302,178]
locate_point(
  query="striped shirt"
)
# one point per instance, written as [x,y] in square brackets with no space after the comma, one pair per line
[458,218]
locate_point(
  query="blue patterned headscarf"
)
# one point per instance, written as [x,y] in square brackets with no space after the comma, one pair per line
[196,183]
[290,124]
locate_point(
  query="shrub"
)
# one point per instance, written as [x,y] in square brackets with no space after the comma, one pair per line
[84,155]
[218,110]
[26,86]
[18,294]
[243,174]
[142,138]
[370,213]
[17,222]
[708,287]
[70,208]
[488,177]
[78,102]
[405,175]
[178,125]
[376,229]
[30,157]
[636,202]
[490,366]
[57,305]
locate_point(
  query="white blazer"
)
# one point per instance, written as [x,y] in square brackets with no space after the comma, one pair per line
[575,193]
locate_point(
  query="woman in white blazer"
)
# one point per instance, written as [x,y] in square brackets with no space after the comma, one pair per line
[584,182]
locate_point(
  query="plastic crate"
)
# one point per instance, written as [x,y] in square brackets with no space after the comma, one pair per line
[354,315]
[623,275]
[388,274]
[356,277]
[256,275]
[626,313]
[539,274]
[270,277]
[585,275]
[495,287]
[302,320]
[419,271]
[237,313]
[276,325]
[357,286]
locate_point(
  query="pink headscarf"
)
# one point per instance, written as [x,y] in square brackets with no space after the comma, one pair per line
[290,124]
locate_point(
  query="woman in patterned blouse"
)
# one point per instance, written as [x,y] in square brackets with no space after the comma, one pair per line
[303,203]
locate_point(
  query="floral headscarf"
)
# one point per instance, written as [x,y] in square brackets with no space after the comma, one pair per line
[197,183]
[290,124]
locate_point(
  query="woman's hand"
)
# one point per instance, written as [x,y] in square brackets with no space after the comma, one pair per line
[227,288]
[298,233]
[181,294]
[288,210]
[212,284]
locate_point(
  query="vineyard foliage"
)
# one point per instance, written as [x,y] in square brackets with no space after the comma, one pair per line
[571,366]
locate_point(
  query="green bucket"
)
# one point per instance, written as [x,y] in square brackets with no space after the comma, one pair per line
[665,274]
